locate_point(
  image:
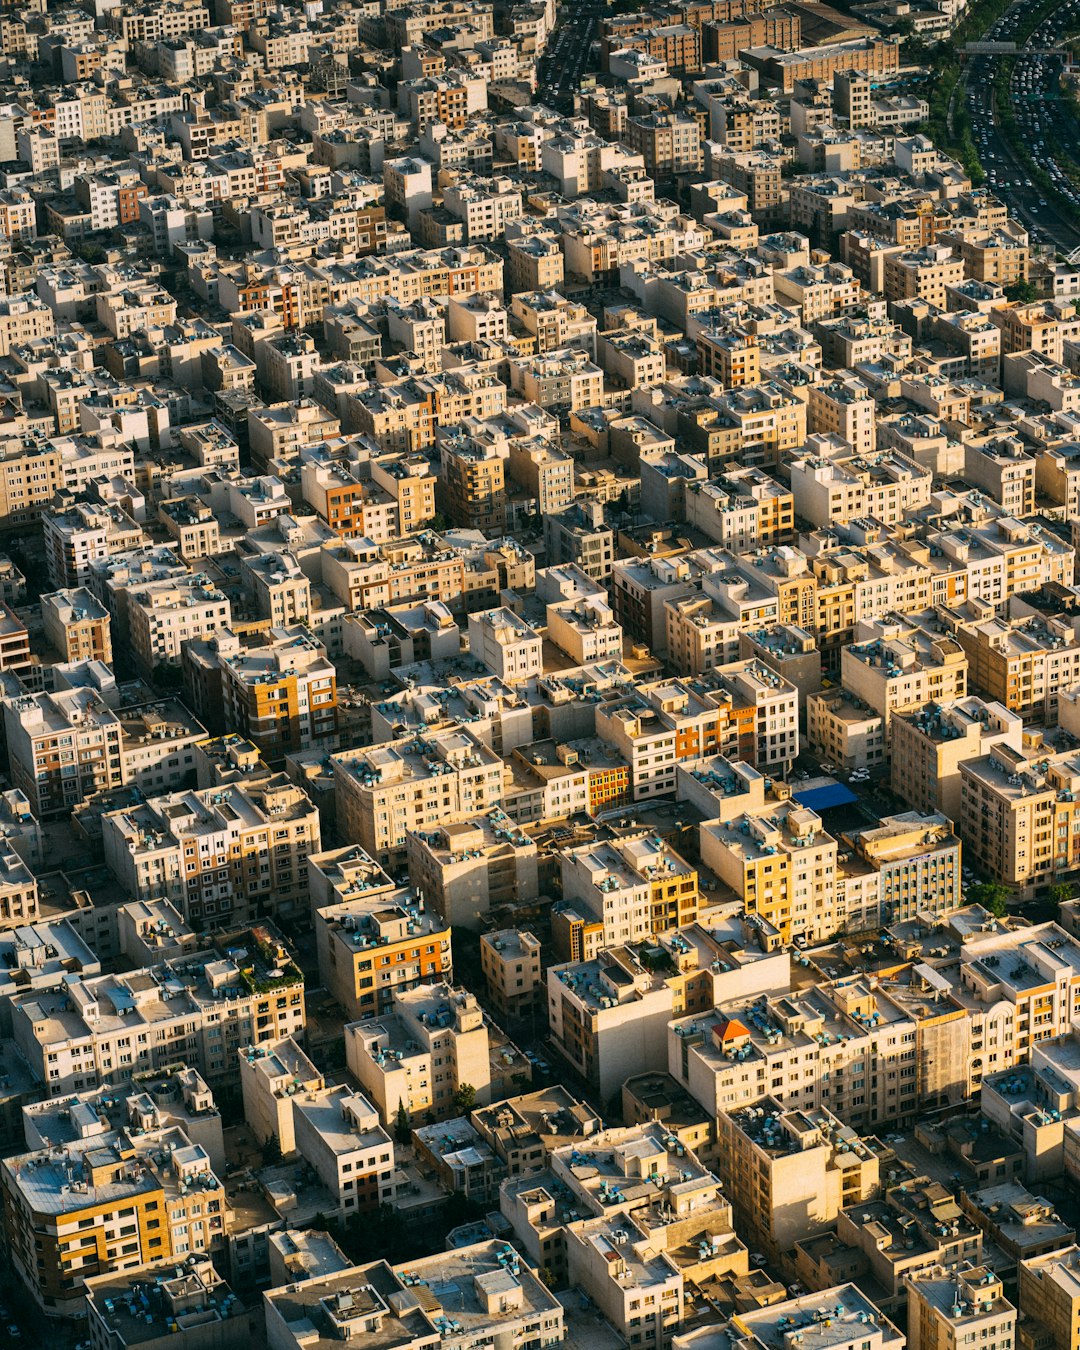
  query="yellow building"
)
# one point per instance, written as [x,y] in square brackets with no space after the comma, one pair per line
[783,864]
[282,696]
[106,1202]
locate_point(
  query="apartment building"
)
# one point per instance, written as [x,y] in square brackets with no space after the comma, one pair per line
[1001,468]
[164,615]
[506,645]
[510,961]
[339,1135]
[472,867]
[218,855]
[1034,974]
[187,1285]
[783,863]
[1024,663]
[1049,1293]
[271,1077]
[495,1292]
[107,1201]
[928,745]
[902,666]
[742,709]
[919,1211]
[372,941]
[76,536]
[420,1054]
[281,696]
[887,486]
[385,791]
[915,862]
[923,274]
[62,747]
[199,1008]
[77,626]
[788,1174]
[946,1307]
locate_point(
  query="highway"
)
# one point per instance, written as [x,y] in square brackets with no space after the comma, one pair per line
[560,69]
[1042,117]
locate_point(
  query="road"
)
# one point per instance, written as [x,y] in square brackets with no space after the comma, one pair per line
[1042,117]
[561,67]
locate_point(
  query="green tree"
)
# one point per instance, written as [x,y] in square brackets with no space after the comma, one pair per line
[168,675]
[1022,291]
[464,1099]
[271,1150]
[992,895]
[403,1124]
[1061,892]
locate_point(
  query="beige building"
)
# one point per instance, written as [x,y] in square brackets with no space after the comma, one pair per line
[1050,1297]
[271,1077]
[62,748]
[496,1293]
[895,665]
[77,626]
[950,1309]
[845,730]
[433,1042]
[923,274]
[200,1008]
[473,866]
[928,745]
[219,855]
[510,960]
[385,791]
[163,615]
[788,1174]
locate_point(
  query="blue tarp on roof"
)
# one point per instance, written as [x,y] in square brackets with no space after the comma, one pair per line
[821,798]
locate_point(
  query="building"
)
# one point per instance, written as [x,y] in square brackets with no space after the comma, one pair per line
[102,1029]
[371,940]
[338,1134]
[1049,1294]
[418,1055]
[469,869]
[281,696]
[449,774]
[788,1174]
[107,1202]
[188,1296]
[77,626]
[271,1077]
[163,615]
[928,745]
[62,748]
[225,854]
[510,960]
[496,1293]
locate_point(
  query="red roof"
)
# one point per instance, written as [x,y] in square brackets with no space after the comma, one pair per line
[731,1030]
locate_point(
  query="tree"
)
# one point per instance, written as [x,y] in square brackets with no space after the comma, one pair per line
[464,1099]
[992,895]
[168,675]
[1061,892]
[1022,291]
[403,1124]
[271,1150]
